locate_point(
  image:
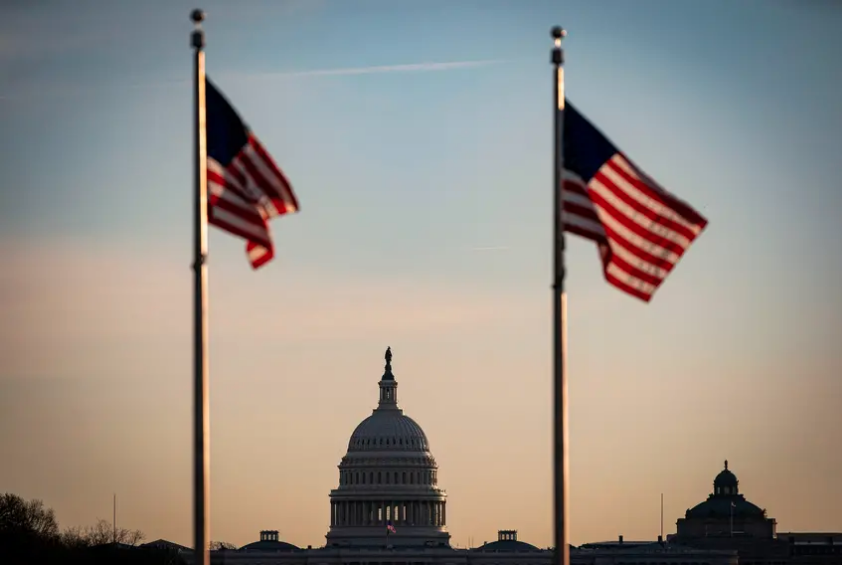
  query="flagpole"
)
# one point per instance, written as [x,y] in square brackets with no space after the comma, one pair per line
[561,463]
[201,420]
[662,517]
[732,518]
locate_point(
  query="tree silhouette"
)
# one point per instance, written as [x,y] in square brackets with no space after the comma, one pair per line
[21,518]
[217,545]
[29,534]
[101,533]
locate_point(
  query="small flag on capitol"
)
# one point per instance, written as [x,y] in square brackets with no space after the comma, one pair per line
[245,186]
[641,229]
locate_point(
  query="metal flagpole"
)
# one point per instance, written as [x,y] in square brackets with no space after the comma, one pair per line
[561,464]
[732,518]
[201,420]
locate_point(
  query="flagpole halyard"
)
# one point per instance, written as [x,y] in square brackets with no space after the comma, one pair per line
[201,405]
[561,464]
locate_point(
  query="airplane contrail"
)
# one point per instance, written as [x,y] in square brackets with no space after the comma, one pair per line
[341,71]
[407,67]
[493,248]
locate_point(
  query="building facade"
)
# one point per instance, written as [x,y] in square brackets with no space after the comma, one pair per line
[726,513]
[388,509]
[726,520]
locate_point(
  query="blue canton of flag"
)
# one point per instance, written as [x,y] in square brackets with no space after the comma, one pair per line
[245,186]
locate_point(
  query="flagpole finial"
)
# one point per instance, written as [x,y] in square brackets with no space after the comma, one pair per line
[557,33]
[197,39]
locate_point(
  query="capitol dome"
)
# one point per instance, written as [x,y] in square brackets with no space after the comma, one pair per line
[387,429]
[388,481]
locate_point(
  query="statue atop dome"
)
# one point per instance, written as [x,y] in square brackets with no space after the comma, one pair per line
[387,374]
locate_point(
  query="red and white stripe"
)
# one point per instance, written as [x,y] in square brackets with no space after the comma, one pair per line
[641,229]
[245,195]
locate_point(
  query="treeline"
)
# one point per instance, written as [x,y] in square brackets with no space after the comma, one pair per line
[30,535]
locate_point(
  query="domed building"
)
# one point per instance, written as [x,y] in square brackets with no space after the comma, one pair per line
[726,513]
[269,542]
[727,521]
[388,490]
[507,542]
[387,509]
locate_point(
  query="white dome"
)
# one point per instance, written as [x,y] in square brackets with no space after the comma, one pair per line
[388,479]
[388,430]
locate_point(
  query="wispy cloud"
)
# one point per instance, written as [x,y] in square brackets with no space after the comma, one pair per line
[65,90]
[81,296]
[491,248]
[347,71]
[403,68]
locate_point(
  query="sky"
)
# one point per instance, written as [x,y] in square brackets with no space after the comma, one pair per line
[418,138]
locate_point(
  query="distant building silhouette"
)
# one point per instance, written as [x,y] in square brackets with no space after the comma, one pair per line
[726,513]
[388,477]
[166,545]
[726,520]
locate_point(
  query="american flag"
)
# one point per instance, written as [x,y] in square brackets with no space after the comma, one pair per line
[245,186]
[641,230]
[390,529]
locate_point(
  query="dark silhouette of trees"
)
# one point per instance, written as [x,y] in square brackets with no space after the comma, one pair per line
[19,517]
[27,528]
[101,533]
[29,534]
[217,545]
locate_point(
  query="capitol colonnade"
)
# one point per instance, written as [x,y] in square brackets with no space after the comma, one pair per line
[380,513]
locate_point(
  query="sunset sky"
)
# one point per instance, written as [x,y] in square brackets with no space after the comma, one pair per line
[418,137]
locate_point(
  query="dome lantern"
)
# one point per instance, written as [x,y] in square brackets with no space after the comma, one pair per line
[388,386]
[726,482]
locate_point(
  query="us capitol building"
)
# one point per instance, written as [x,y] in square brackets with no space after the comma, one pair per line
[388,509]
